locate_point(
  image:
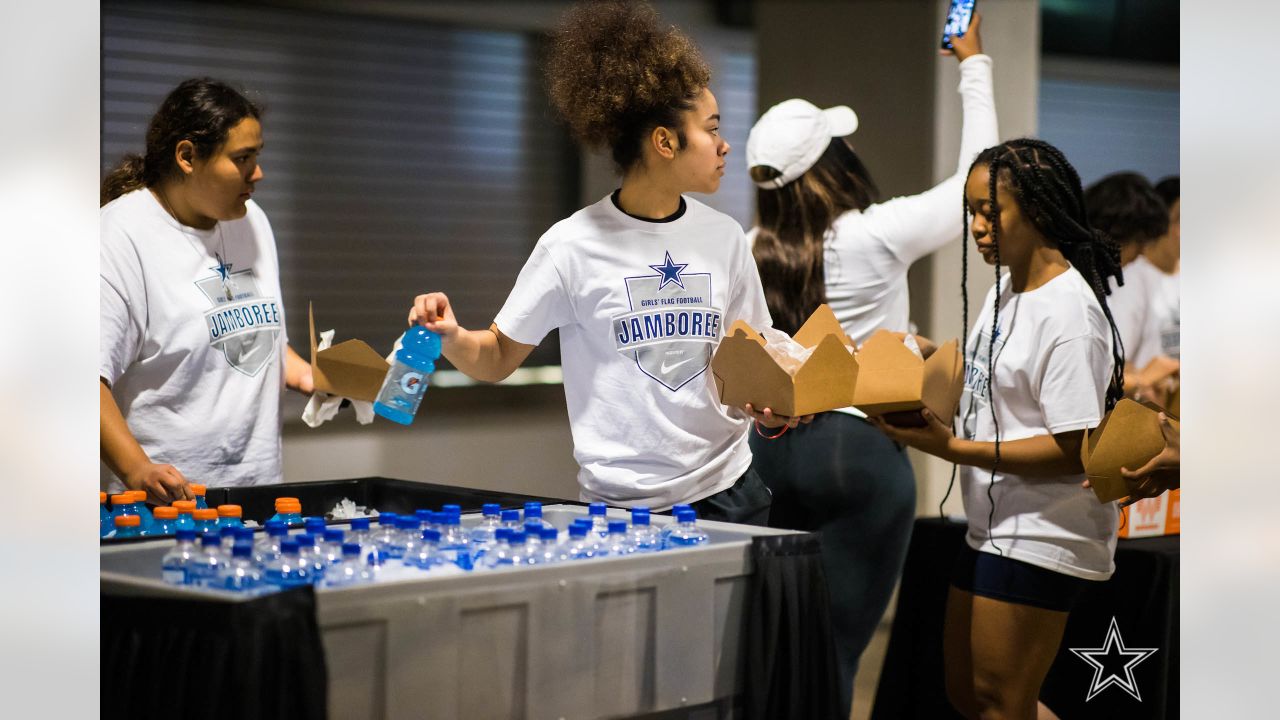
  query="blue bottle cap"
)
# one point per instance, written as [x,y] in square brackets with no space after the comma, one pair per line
[549,533]
[350,549]
[577,531]
[452,508]
[686,515]
[431,534]
[407,523]
[533,509]
[682,506]
[360,523]
[305,539]
[452,519]
[503,533]
[510,516]
[187,535]
[244,533]
[313,522]
[597,508]
[289,547]
[640,516]
[617,527]
[533,526]
[333,536]
[387,519]
[424,516]
[210,540]
[241,550]
[490,509]
[275,528]
[274,524]
[517,537]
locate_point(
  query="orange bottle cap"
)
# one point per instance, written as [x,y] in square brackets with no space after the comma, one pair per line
[128,520]
[102,497]
[122,499]
[228,511]
[138,495]
[205,514]
[286,501]
[165,513]
[184,506]
[197,488]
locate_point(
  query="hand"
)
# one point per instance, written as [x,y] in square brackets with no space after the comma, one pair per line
[1160,474]
[968,45]
[770,420]
[1155,375]
[434,312]
[163,483]
[934,438]
[306,382]
[927,346]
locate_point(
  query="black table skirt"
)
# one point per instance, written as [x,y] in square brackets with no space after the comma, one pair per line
[1142,596]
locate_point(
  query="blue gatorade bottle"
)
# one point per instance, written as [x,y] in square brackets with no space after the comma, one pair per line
[105,523]
[406,381]
[199,491]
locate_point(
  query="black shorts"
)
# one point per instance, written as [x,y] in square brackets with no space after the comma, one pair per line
[1014,581]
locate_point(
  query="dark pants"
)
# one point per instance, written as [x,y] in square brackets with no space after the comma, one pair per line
[845,479]
[746,501]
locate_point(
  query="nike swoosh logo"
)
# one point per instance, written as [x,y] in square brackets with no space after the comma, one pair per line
[668,368]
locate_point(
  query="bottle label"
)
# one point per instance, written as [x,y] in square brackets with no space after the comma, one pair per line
[403,389]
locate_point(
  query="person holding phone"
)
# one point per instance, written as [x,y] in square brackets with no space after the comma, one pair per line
[641,284]
[1043,364]
[193,357]
[822,236]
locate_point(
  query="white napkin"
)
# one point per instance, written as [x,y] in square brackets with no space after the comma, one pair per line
[322,407]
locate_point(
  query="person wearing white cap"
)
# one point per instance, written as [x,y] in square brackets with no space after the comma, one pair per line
[822,237]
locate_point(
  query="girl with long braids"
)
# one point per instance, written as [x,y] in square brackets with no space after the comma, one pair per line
[823,236]
[193,360]
[1042,364]
[641,284]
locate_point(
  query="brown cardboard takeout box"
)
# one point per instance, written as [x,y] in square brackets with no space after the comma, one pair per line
[895,383]
[349,369]
[746,373]
[1127,437]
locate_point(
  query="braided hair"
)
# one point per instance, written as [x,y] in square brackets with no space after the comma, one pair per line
[1048,191]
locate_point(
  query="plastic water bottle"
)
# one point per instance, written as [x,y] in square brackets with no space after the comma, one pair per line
[229,516]
[484,533]
[199,490]
[642,535]
[408,537]
[309,555]
[500,554]
[519,550]
[287,570]
[127,526]
[509,519]
[206,521]
[176,566]
[238,535]
[425,553]
[313,525]
[164,521]
[360,535]
[426,519]
[384,534]
[105,522]
[579,546]
[186,509]
[533,536]
[533,514]
[240,573]
[347,570]
[227,538]
[140,502]
[598,511]
[209,561]
[617,544]
[455,545]
[406,381]
[331,547]
[122,504]
[550,548]
[686,532]
[268,547]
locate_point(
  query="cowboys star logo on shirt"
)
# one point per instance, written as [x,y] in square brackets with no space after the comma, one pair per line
[672,326]
[242,323]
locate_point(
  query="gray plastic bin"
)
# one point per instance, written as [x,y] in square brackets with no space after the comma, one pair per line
[587,639]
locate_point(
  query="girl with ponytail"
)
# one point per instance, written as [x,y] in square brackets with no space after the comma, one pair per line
[192,358]
[1043,363]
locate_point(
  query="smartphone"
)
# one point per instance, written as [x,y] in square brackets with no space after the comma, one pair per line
[958,17]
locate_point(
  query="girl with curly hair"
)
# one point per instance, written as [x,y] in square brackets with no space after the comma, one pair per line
[641,284]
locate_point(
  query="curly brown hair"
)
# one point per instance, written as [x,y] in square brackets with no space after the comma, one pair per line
[615,72]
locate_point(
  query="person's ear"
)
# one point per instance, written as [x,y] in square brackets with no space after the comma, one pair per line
[664,142]
[184,155]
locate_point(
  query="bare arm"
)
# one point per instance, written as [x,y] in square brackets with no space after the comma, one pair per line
[485,355]
[1043,455]
[126,458]
[297,372]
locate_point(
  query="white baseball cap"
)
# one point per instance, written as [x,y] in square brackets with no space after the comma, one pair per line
[792,135]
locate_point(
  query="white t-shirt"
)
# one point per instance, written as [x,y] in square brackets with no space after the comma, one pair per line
[1168,312]
[1053,365]
[641,306]
[1133,306]
[198,375]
